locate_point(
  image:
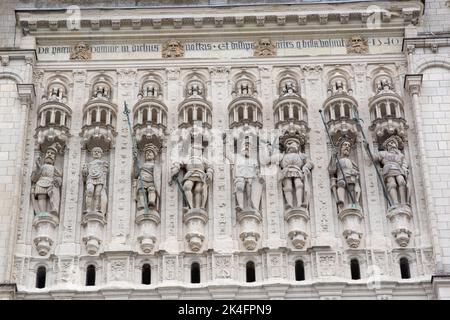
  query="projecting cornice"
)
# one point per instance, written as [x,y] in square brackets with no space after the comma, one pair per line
[321,16]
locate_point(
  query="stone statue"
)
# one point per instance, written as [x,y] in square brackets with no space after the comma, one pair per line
[247,180]
[172,49]
[198,175]
[81,51]
[265,47]
[295,173]
[95,174]
[395,170]
[357,44]
[47,181]
[150,183]
[351,173]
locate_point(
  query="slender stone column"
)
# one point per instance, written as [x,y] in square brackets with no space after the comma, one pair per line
[26,94]
[171,218]
[221,236]
[413,84]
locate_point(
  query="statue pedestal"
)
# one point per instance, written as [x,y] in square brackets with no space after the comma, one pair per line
[351,220]
[195,220]
[297,219]
[249,220]
[400,215]
[93,223]
[148,225]
[44,224]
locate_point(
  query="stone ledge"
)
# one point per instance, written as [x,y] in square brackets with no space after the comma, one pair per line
[336,14]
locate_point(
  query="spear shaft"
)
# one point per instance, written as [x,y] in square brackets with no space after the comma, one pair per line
[338,162]
[137,163]
[369,152]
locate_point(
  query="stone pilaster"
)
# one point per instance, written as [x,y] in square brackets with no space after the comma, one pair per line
[170,221]
[373,209]
[274,199]
[322,222]
[121,206]
[71,205]
[221,237]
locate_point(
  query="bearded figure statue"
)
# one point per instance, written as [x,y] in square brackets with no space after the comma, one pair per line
[395,170]
[345,177]
[47,181]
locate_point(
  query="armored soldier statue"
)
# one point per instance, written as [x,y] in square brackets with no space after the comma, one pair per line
[95,174]
[47,181]
[147,187]
[198,175]
[295,172]
[395,170]
[345,180]
[247,180]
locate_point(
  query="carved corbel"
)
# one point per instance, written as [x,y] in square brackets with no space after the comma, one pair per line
[5,60]
[27,94]
[413,83]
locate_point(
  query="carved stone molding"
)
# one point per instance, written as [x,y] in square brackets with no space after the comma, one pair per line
[219,72]
[4,60]
[27,94]
[413,83]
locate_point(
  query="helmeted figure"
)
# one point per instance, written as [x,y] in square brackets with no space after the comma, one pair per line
[349,174]
[47,181]
[149,184]
[295,171]
[198,175]
[395,170]
[95,174]
[247,180]
[296,168]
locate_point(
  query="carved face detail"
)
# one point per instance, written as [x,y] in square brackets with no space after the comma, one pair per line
[292,146]
[149,155]
[265,44]
[81,47]
[392,145]
[357,44]
[173,48]
[265,47]
[345,148]
[173,45]
[81,51]
[246,149]
[50,156]
[97,153]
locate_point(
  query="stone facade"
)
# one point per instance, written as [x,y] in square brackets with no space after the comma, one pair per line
[144,141]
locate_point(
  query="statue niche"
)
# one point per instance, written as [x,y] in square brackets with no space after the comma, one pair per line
[345,176]
[147,182]
[295,178]
[394,170]
[197,174]
[248,187]
[248,183]
[47,180]
[95,175]
[346,188]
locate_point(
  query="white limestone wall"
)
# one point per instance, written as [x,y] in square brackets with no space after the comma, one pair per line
[326,255]
[13,123]
[7,23]
[435,113]
[437,15]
